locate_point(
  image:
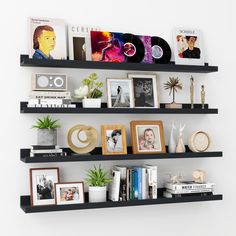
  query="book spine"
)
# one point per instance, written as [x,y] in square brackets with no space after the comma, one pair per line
[139,171]
[135,184]
[189,186]
[186,191]
[144,183]
[62,154]
[132,184]
[128,184]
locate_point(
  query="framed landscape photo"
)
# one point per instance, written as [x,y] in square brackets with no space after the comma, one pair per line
[188,47]
[145,90]
[42,182]
[69,193]
[113,140]
[120,93]
[147,137]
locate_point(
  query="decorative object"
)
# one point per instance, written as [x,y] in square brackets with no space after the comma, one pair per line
[145,90]
[97,179]
[173,85]
[120,93]
[69,193]
[199,176]
[172,143]
[88,144]
[199,141]
[176,179]
[47,131]
[42,182]
[47,38]
[203,93]
[113,140]
[188,48]
[180,145]
[147,137]
[192,91]
[90,92]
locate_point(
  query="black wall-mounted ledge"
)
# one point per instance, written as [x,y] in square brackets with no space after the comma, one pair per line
[96,155]
[171,67]
[105,110]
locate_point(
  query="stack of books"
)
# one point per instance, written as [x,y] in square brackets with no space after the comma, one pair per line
[188,188]
[133,183]
[46,151]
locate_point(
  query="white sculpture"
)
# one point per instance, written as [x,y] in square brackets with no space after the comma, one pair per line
[176,179]
[180,145]
[199,176]
[172,142]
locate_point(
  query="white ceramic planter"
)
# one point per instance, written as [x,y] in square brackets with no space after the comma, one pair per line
[97,194]
[47,137]
[91,102]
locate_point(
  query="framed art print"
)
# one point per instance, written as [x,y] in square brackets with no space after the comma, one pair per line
[69,193]
[113,140]
[42,182]
[188,47]
[147,137]
[120,93]
[145,90]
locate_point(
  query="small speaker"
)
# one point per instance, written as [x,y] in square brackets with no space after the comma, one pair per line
[53,82]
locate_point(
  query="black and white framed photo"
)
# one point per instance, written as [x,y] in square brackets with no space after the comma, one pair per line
[188,47]
[145,90]
[120,93]
[42,182]
[69,193]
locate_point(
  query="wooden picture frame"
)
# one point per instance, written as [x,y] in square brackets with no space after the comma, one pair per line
[69,193]
[113,140]
[147,137]
[120,93]
[42,180]
[145,90]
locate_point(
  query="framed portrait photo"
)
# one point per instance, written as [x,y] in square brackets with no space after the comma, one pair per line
[113,140]
[69,193]
[188,47]
[145,90]
[120,93]
[147,137]
[42,182]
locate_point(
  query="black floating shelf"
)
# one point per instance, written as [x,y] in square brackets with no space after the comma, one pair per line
[27,208]
[171,67]
[96,155]
[105,110]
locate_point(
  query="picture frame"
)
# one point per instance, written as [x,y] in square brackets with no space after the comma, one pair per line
[120,93]
[68,193]
[113,140]
[188,47]
[147,137]
[145,90]
[42,182]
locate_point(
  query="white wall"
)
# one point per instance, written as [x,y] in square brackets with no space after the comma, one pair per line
[217,21]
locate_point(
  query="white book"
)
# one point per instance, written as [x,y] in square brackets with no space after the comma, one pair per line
[144,183]
[184,191]
[114,186]
[188,185]
[59,150]
[152,181]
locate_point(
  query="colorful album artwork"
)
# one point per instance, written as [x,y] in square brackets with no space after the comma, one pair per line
[107,46]
[188,48]
[148,48]
[47,38]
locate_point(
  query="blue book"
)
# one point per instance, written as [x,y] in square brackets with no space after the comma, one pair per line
[138,170]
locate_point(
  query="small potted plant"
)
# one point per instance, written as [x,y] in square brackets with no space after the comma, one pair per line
[97,179]
[90,92]
[47,131]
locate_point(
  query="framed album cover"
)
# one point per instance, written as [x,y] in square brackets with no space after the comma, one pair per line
[69,193]
[47,39]
[188,47]
[145,90]
[42,182]
[120,93]
[113,140]
[147,137]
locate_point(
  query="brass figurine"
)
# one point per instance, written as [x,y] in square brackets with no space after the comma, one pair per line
[203,96]
[192,91]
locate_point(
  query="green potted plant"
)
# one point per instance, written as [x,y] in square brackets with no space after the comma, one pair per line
[97,179]
[47,131]
[90,92]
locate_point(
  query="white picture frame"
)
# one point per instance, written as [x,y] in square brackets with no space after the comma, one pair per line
[188,47]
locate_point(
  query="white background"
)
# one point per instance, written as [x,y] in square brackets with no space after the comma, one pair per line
[216,19]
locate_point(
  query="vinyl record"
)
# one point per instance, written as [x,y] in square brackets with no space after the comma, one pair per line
[161,52]
[133,48]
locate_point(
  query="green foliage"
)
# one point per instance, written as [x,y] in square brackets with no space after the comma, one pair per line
[93,86]
[46,123]
[97,177]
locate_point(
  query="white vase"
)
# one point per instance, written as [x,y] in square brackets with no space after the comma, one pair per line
[91,102]
[180,146]
[97,194]
[172,143]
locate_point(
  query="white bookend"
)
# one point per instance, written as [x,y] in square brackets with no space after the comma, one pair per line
[114,186]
